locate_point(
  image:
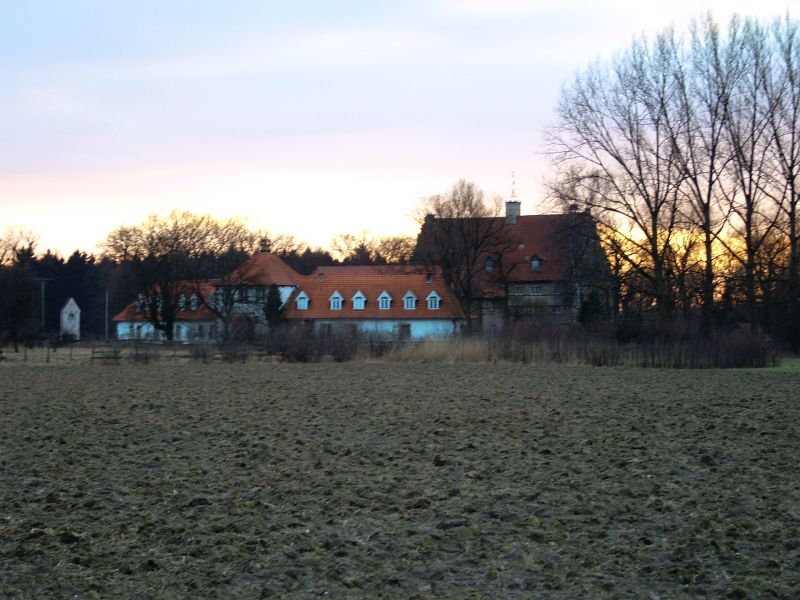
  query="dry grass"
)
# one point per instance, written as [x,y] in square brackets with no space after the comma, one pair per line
[456,350]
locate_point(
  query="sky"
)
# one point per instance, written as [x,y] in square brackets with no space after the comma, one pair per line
[308,118]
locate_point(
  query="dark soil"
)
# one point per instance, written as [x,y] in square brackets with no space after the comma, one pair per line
[364,480]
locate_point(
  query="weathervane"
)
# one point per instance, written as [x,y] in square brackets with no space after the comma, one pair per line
[513,185]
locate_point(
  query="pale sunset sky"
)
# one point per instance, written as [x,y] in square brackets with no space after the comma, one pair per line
[308,118]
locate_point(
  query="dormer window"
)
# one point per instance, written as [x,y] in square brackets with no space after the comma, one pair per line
[336,301]
[181,303]
[358,300]
[434,300]
[194,303]
[409,301]
[384,301]
[301,301]
[141,304]
[536,263]
[490,263]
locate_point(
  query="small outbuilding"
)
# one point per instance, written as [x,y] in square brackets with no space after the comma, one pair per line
[71,320]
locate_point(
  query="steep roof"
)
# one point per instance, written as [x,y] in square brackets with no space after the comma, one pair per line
[551,238]
[372,281]
[264,268]
[132,313]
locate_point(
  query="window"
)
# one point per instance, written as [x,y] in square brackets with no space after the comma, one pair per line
[433,300]
[409,301]
[302,301]
[536,263]
[384,301]
[404,331]
[194,303]
[336,301]
[490,263]
[325,329]
[200,330]
[536,290]
[242,295]
[359,300]
[261,293]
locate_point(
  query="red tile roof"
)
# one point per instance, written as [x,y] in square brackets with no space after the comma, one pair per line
[131,312]
[372,281]
[264,268]
[546,237]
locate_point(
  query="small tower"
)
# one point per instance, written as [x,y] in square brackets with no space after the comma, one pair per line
[513,205]
[71,320]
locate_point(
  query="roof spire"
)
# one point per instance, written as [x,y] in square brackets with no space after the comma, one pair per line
[513,186]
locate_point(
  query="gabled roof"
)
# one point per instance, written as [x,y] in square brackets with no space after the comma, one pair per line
[206,288]
[68,301]
[263,268]
[549,237]
[372,281]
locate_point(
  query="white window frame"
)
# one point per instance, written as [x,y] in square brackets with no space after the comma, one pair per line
[336,301]
[433,300]
[410,301]
[384,301]
[359,301]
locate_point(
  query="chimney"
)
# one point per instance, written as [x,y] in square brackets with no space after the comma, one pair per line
[429,219]
[512,211]
[573,208]
[265,245]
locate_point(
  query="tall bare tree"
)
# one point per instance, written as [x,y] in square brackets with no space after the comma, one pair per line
[616,156]
[751,170]
[782,87]
[460,229]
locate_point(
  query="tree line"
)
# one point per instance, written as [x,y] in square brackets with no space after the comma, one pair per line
[686,150]
[166,255]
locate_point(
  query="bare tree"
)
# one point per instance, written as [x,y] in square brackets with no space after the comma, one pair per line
[169,257]
[17,252]
[459,231]
[782,88]
[751,171]
[356,249]
[696,120]
[395,249]
[616,156]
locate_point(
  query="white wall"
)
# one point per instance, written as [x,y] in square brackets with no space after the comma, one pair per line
[418,328]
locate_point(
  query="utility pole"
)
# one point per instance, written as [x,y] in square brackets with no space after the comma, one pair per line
[106,313]
[42,281]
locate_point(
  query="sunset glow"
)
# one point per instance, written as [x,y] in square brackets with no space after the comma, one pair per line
[307,120]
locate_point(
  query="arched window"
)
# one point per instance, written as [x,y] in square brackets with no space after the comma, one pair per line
[384,301]
[336,301]
[409,301]
[358,300]
[433,300]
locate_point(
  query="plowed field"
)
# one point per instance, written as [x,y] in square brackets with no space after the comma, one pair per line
[428,481]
